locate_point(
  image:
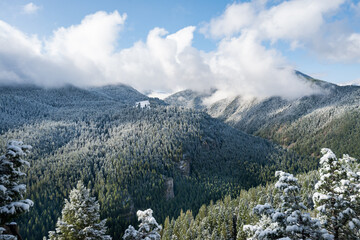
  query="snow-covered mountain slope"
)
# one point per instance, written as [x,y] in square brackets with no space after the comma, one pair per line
[26,104]
[122,93]
[188,99]
[129,154]
[290,122]
[71,96]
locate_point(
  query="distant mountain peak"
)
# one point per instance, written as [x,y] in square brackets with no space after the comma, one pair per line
[320,83]
[300,74]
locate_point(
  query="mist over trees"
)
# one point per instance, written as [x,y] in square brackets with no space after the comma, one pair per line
[131,158]
[173,160]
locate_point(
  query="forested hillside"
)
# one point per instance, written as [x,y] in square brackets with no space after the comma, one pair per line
[225,218]
[132,158]
[304,124]
[28,104]
[289,209]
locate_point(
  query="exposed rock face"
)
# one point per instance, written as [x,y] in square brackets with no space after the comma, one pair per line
[169,192]
[130,211]
[184,167]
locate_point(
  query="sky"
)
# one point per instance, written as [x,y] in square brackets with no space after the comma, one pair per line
[238,47]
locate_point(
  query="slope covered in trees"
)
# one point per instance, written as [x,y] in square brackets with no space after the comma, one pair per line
[132,158]
[28,104]
[304,124]
[225,218]
[321,204]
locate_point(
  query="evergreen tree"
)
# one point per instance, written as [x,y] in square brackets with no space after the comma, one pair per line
[288,222]
[11,191]
[80,218]
[149,229]
[337,196]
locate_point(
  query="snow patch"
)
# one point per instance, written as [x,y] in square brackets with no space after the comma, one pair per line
[143,104]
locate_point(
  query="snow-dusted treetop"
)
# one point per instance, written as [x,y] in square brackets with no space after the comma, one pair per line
[80,218]
[149,229]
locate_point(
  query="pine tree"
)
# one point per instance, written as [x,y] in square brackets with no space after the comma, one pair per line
[149,229]
[166,232]
[11,191]
[337,196]
[288,222]
[80,218]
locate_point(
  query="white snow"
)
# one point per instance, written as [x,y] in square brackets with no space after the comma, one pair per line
[143,104]
[149,229]
[287,222]
[3,188]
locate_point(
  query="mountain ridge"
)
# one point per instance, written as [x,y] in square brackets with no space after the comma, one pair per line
[279,119]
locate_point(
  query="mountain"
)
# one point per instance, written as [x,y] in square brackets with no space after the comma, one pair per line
[163,157]
[188,99]
[26,104]
[305,124]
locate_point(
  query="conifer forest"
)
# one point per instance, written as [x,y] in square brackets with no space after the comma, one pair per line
[198,176]
[180,120]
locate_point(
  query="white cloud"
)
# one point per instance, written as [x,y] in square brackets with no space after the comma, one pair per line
[306,24]
[76,55]
[289,20]
[30,8]
[86,55]
[160,95]
[294,20]
[88,46]
[164,62]
[245,66]
[343,48]
[235,18]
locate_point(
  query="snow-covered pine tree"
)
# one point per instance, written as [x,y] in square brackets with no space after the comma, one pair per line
[80,218]
[149,229]
[299,225]
[337,196]
[11,191]
[287,222]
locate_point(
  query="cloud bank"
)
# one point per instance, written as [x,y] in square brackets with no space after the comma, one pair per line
[244,61]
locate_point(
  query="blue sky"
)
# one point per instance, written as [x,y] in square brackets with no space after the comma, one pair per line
[194,44]
[143,16]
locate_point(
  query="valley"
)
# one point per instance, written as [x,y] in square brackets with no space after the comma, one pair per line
[160,157]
